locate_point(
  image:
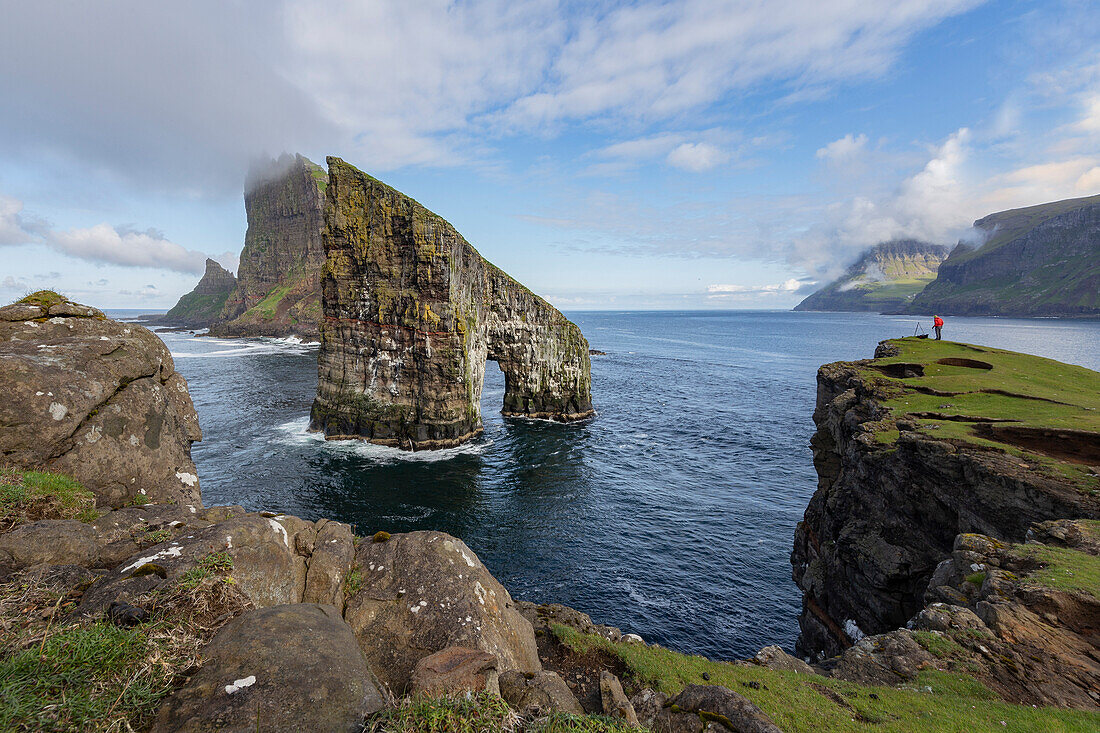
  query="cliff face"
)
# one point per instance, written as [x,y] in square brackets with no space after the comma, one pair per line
[1038,261]
[412,312]
[885,278]
[278,281]
[931,440]
[203,305]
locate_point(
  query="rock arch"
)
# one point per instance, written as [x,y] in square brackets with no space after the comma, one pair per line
[410,314]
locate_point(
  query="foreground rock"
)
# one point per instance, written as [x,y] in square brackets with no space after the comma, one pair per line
[910,451]
[712,709]
[285,668]
[425,591]
[412,312]
[538,693]
[97,400]
[455,670]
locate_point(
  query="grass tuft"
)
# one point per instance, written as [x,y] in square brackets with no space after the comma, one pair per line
[482,713]
[27,496]
[44,298]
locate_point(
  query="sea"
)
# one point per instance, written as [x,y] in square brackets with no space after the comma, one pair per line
[670,514]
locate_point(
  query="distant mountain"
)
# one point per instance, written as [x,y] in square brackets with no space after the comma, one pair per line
[1038,261]
[200,307]
[885,278]
[278,289]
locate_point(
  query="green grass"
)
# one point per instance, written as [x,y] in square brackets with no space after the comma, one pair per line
[794,702]
[32,495]
[353,581]
[44,298]
[1062,569]
[1029,391]
[481,713]
[84,678]
[215,563]
[268,307]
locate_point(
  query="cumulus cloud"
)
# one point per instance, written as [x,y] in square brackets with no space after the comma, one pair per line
[842,151]
[697,157]
[101,243]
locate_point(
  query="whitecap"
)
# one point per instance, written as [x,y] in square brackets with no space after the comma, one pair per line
[296,432]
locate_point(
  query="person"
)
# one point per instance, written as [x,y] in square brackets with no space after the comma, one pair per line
[937,323]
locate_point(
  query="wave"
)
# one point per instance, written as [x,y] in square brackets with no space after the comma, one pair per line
[296,432]
[227,348]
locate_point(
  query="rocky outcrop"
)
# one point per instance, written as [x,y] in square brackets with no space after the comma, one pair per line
[895,487]
[885,278]
[1019,619]
[203,305]
[259,667]
[278,289]
[422,592]
[412,312]
[97,400]
[710,709]
[1035,261]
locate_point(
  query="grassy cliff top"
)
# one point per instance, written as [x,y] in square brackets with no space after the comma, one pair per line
[1035,408]
[1005,226]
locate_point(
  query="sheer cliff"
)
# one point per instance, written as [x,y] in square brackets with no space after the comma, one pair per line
[411,314]
[278,281]
[930,440]
[1038,261]
[885,278]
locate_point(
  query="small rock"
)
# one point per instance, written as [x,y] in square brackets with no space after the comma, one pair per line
[615,702]
[123,614]
[544,692]
[455,670]
[699,707]
[773,657]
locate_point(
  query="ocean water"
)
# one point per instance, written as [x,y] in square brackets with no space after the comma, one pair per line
[670,514]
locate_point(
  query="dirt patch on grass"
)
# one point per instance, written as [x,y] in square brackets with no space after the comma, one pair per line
[1072,446]
[968,363]
[900,370]
[580,670]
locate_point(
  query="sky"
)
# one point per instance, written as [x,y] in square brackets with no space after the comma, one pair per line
[672,154]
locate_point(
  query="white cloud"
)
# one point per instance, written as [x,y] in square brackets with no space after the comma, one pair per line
[11,225]
[101,243]
[697,157]
[842,151]
[104,243]
[787,286]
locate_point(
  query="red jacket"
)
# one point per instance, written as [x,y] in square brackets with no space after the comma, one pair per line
[937,322]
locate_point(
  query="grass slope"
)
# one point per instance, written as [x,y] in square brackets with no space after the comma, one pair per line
[1020,391]
[936,702]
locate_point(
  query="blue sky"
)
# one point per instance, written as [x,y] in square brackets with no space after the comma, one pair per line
[691,154]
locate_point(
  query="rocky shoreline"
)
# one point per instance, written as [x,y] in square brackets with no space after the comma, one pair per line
[237,620]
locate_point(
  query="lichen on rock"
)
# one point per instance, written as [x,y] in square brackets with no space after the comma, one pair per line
[411,313]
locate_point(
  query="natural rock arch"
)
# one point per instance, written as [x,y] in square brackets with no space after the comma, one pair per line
[410,314]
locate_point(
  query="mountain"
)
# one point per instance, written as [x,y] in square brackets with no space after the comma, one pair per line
[278,289]
[1037,261]
[204,304]
[885,278]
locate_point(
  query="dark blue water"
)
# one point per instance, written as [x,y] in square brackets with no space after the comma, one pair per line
[670,514]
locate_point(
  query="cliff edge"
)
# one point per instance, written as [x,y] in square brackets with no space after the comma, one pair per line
[927,441]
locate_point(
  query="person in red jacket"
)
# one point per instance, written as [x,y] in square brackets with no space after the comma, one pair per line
[937,323]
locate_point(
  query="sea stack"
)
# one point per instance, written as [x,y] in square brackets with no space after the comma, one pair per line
[410,314]
[202,306]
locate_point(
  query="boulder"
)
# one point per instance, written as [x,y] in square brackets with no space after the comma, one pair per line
[648,704]
[54,542]
[773,657]
[542,615]
[615,702]
[541,692]
[331,555]
[264,564]
[885,659]
[285,668]
[425,591]
[95,399]
[712,709]
[455,670]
